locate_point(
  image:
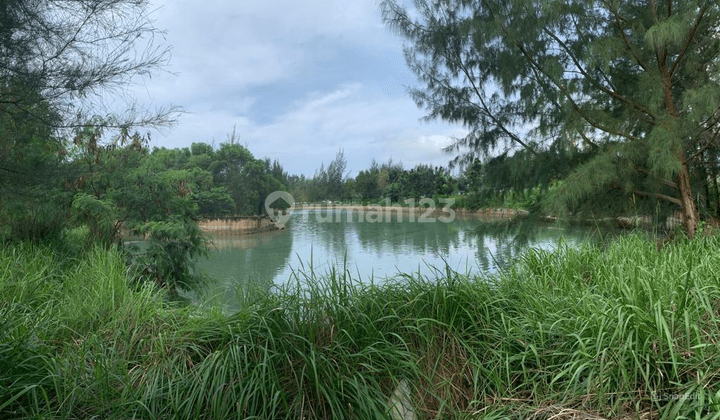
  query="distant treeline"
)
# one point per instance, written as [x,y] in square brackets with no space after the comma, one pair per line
[388,180]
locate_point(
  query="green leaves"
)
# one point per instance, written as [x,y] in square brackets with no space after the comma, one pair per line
[247,180]
[664,142]
[99,215]
[597,173]
[701,104]
[530,76]
[670,32]
[130,189]
[168,258]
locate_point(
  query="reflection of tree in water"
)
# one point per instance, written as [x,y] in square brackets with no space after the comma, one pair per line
[434,238]
[242,266]
[499,243]
[330,227]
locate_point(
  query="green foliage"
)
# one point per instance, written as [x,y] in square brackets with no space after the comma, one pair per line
[619,331]
[159,196]
[114,187]
[98,215]
[73,53]
[168,258]
[425,181]
[513,181]
[665,140]
[671,31]
[388,180]
[213,203]
[367,182]
[63,180]
[32,202]
[329,184]
[127,189]
[567,83]
[247,180]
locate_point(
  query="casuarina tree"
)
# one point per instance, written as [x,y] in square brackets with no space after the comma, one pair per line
[632,85]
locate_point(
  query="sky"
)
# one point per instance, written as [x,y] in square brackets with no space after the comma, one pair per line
[297,80]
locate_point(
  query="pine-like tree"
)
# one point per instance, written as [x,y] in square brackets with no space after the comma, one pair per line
[633,84]
[60,62]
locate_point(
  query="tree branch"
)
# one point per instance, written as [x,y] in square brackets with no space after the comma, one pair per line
[689,39]
[648,194]
[597,85]
[657,178]
[486,110]
[626,40]
[560,87]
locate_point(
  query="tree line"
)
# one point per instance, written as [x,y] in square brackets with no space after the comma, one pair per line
[379,182]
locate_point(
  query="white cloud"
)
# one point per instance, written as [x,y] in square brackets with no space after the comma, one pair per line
[299,80]
[365,127]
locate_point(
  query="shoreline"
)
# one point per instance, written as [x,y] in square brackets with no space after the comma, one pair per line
[498,213]
[501,213]
[249,225]
[237,225]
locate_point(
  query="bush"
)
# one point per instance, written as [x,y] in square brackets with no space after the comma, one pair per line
[168,257]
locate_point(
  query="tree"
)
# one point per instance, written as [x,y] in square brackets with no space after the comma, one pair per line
[329,183]
[390,178]
[60,61]
[212,200]
[234,168]
[74,54]
[633,85]
[336,176]
[300,188]
[276,170]
[248,180]
[127,188]
[31,171]
[367,183]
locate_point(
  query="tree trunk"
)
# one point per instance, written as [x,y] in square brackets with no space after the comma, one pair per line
[689,211]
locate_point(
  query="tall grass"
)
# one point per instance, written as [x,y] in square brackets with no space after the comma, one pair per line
[626,331]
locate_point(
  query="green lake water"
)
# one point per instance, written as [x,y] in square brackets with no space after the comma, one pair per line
[371,250]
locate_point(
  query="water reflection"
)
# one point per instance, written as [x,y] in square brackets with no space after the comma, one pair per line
[498,244]
[371,249]
[410,240]
[241,266]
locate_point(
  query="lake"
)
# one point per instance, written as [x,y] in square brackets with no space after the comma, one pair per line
[370,249]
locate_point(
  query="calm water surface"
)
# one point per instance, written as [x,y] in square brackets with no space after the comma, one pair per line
[327,240]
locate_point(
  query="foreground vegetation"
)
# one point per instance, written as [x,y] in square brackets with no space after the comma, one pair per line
[612,332]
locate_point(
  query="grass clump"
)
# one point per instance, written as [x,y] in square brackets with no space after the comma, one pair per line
[626,331]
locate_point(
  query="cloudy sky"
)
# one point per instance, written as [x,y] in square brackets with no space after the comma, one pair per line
[299,80]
